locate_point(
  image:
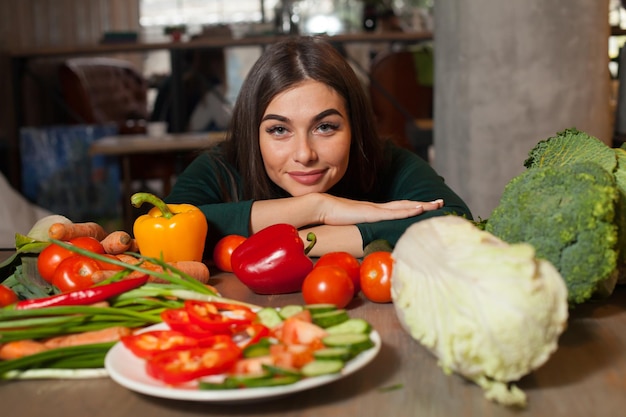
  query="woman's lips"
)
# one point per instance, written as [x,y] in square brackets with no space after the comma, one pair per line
[307,178]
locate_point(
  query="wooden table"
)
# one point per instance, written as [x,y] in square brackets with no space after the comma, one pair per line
[586,377]
[125,146]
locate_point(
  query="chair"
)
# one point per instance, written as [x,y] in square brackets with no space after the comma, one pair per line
[403,107]
[100,90]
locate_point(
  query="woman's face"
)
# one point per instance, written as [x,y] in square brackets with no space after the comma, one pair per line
[305,138]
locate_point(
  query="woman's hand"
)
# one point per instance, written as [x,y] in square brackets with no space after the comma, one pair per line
[342,211]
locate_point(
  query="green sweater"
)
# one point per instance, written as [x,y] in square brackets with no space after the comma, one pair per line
[407,177]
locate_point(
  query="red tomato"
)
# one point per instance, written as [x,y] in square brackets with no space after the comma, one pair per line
[328,284]
[345,261]
[50,258]
[89,243]
[224,249]
[7,296]
[74,273]
[376,271]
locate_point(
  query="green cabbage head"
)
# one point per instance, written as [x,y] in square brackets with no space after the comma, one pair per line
[488,310]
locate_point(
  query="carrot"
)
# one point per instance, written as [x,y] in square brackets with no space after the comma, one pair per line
[134,247]
[109,334]
[116,242]
[67,231]
[197,270]
[129,259]
[20,348]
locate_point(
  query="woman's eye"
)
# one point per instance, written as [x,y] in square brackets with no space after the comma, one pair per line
[327,127]
[276,130]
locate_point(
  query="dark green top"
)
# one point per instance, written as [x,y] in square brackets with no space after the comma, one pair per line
[406,177]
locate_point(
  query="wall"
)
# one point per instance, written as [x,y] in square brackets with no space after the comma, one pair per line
[509,74]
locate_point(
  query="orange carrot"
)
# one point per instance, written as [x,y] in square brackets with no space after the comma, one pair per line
[101,275]
[133,246]
[116,242]
[20,348]
[67,231]
[195,269]
[109,334]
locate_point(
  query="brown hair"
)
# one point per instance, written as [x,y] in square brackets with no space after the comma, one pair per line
[281,66]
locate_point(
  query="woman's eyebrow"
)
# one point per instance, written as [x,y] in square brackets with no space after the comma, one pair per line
[274,117]
[328,112]
[317,117]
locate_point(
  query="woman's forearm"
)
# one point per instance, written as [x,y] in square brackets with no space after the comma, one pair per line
[298,211]
[334,239]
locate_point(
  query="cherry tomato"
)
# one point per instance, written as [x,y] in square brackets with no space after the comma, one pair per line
[375,274]
[89,243]
[224,249]
[7,296]
[345,261]
[50,258]
[328,284]
[74,273]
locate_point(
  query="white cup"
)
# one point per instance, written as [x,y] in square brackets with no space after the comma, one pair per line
[156,129]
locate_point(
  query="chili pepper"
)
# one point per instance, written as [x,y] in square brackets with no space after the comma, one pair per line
[85,296]
[273,260]
[173,232]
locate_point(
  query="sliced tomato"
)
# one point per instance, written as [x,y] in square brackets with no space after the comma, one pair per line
[148,344]
[291,356]
[179,366]
[251,366]
[300,332]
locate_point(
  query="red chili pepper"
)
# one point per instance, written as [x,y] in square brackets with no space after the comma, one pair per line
[210,316]
[273,260]
[175,367]
[86,296]
[148,344]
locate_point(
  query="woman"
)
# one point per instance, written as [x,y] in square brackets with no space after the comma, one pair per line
[302,149]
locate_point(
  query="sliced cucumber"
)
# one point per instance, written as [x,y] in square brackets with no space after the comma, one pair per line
[330,318]
[269,317]
[355,342]
[261,348]
[352,325]
[289,310]
[278,370]
[320,308]
[274,381]
[336,353]
[322,367]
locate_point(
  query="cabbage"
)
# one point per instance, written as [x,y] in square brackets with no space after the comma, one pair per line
[488,310]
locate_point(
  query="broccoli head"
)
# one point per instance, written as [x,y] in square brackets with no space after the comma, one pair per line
[568,213]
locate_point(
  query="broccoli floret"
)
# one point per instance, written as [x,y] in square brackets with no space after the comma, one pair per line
[568,213]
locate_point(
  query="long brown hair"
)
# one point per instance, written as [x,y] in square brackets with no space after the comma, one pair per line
[281,66]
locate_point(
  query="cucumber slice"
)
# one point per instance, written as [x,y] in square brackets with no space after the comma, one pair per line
[336,353]
[289,310]
[277,370]
[353,325]
[322,367]
[274,381]
[320,308]
[269,317]
[330,318]
[262,348]
[355,342]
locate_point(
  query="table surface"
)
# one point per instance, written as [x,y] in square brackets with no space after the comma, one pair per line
[134,144]
[585,377]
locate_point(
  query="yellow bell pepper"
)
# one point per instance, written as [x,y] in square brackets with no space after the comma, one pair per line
[172,232]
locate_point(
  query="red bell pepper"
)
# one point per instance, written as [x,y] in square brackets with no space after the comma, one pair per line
[178,319]
[179,366]
[273,260]
[210,316]
[148,344]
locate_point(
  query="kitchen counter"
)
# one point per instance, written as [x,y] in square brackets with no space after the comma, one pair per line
[585,377]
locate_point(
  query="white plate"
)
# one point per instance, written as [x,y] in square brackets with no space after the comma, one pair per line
[129,371]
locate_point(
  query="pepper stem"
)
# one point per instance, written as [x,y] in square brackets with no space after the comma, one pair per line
[138,199]
[310,237]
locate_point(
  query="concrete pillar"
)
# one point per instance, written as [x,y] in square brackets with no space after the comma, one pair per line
[511,73]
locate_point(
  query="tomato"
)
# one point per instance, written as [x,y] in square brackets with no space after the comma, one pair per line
[328,284]
[151,343]
[345,261]
[89,243]
[7,296]
[224,249]
[375,274]
[74,273]
[50,258]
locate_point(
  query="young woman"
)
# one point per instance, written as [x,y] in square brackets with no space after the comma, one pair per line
[302,149]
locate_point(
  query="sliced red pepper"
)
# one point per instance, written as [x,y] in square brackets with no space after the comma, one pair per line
[251,334]
[176,367]
[85,296]
[218,317]
[148,344]
[178,319]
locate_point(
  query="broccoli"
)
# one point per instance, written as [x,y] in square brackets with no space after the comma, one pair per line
[568,213]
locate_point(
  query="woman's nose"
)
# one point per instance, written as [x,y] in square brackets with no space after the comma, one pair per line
[304,151]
